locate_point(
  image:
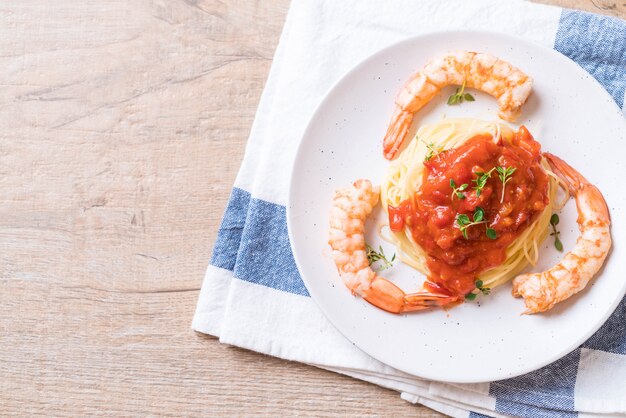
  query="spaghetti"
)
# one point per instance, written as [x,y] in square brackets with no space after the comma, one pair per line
[428,238]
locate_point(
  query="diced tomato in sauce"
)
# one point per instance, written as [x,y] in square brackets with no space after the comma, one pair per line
[398,215]
[453,260]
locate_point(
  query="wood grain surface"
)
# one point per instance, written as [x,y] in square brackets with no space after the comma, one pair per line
[123,124]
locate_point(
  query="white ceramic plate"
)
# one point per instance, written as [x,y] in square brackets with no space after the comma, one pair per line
[568,112]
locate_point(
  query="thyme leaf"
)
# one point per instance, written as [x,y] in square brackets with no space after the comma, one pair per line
[554,221]
[484,290]
[464,222]
[373,256]
[458,191]
[432,151]
[505,174]
[481,180]
[460,96]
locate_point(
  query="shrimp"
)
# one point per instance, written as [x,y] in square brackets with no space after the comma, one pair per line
[509,85]
[351,206]
[541,291]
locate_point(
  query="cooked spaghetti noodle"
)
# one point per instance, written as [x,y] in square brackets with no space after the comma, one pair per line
[404,178]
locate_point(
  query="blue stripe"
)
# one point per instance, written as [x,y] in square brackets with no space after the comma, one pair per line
[253,243]
[477,415]
[611,337]
[598,44]
[530,411]
[550,387]
[229,234]
[265,256]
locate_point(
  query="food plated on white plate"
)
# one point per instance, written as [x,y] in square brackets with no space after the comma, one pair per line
[470,217]
[468,201]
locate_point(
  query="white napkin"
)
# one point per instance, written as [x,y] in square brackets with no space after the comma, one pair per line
[252,295]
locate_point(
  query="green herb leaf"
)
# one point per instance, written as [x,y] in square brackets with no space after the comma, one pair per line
[479,214]
[491,233]
[431,150]
[554,219]
[459,96]
[484,290]
[464,221]
[481,181]
[470,296]
[505,174]
[373,256]
[457,190]
[558,244]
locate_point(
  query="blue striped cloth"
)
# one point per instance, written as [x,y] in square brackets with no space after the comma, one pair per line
[253,296]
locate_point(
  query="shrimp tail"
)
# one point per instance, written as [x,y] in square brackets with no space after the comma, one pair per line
[397,130]
[430,299]
[572,178]
[580,187]
[386,295]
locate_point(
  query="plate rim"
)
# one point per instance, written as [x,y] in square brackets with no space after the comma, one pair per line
[299,151]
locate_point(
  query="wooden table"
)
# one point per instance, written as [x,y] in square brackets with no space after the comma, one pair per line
[123,126]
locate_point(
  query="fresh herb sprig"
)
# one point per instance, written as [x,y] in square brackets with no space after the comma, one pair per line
[481,180]
[470,296]
[432,151]
[554,221]
[458,191]
[478,218]
[460,96]
[374,256]
[505,174]
[484,290]
[479,285]
[465,222]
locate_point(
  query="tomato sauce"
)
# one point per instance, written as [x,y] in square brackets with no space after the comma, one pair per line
[432,214]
